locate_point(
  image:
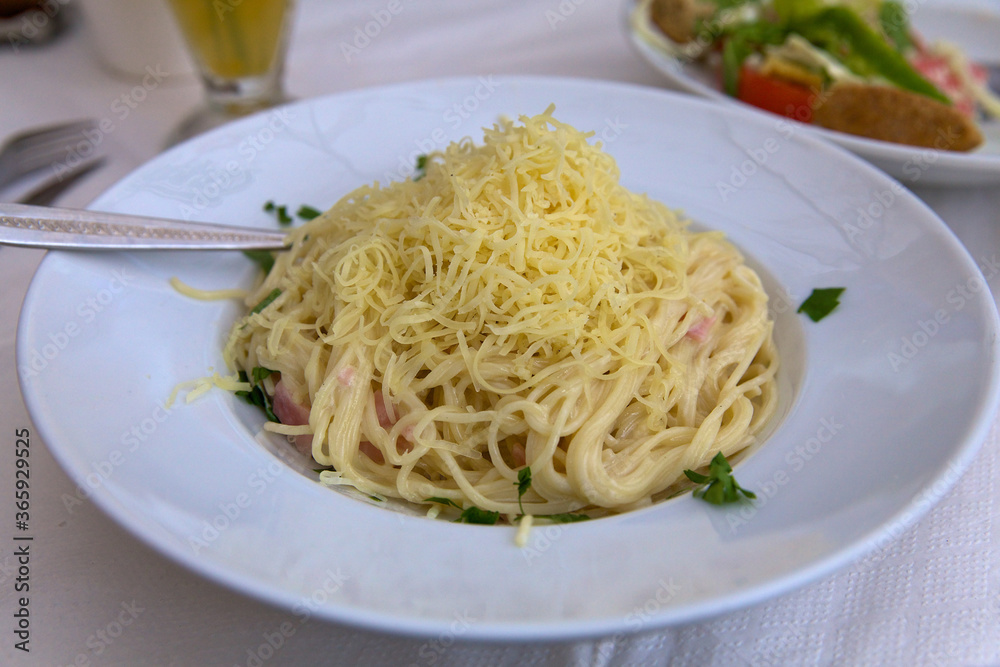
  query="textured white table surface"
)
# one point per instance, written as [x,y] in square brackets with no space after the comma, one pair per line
[99,597]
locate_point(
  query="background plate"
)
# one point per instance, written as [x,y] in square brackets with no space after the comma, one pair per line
[884,403]
[973,26]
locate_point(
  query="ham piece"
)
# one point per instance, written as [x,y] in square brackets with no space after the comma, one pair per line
[290,412]
[699,331]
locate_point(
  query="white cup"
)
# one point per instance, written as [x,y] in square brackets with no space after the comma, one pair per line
[131,35]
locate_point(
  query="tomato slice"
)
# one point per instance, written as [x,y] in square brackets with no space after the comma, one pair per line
[775,95]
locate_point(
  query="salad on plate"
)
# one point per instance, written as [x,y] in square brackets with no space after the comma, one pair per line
[855,66]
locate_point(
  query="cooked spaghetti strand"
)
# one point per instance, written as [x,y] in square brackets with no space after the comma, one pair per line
[514,306]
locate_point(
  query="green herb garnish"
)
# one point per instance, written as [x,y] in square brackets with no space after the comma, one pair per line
[442,501]
[721,485]
[475,515]
[305,212]
[567,517]
[257,396]
[421,169]
[275,293]
[308,212]
[523,484]
[470,514]
[259,373]
[821,302]
[280,212]
[262,258]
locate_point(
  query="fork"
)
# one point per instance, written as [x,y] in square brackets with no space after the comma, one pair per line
[33,149]
[67,228]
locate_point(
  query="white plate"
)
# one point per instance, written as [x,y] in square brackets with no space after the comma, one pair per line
[885,402]
[976,27]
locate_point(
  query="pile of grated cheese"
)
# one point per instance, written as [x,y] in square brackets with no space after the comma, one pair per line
[524,248]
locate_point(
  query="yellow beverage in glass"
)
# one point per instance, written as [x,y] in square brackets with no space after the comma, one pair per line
[239,46]
[233,38]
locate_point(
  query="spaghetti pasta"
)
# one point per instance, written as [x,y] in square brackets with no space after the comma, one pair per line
[513,306]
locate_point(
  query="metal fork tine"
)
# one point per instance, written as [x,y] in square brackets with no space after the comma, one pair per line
[48,137]
[45,141]
[33,156]
[41,133]
[46,193]
[60,132]
[33,149]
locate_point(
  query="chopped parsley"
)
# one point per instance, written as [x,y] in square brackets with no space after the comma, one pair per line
[259,373]
[821,302]
[443,501]
[473,514]
[262,258]
[305,212]
[280,212]
[470,514]
[523,484]
[257,396]
[567,517]
[719,485]
[421,169]
[275,293]
[308,212]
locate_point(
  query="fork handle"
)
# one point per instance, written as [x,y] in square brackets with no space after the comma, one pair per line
[64,228]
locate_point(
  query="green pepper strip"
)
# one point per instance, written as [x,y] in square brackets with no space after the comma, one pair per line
[895,24]
[848,30]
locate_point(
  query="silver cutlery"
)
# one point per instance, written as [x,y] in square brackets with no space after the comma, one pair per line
[67,149]
[64,228]
[47,190]
[41,147]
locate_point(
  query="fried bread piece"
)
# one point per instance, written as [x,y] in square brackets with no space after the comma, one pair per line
[892,114]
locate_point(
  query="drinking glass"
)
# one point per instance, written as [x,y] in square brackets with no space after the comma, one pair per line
[239,48]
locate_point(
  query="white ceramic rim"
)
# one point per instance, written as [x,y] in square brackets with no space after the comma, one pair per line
[962,450]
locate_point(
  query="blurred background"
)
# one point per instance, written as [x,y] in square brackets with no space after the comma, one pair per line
[65,59]
[125,65]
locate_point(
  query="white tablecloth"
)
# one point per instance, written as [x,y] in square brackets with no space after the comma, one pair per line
[99,597]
